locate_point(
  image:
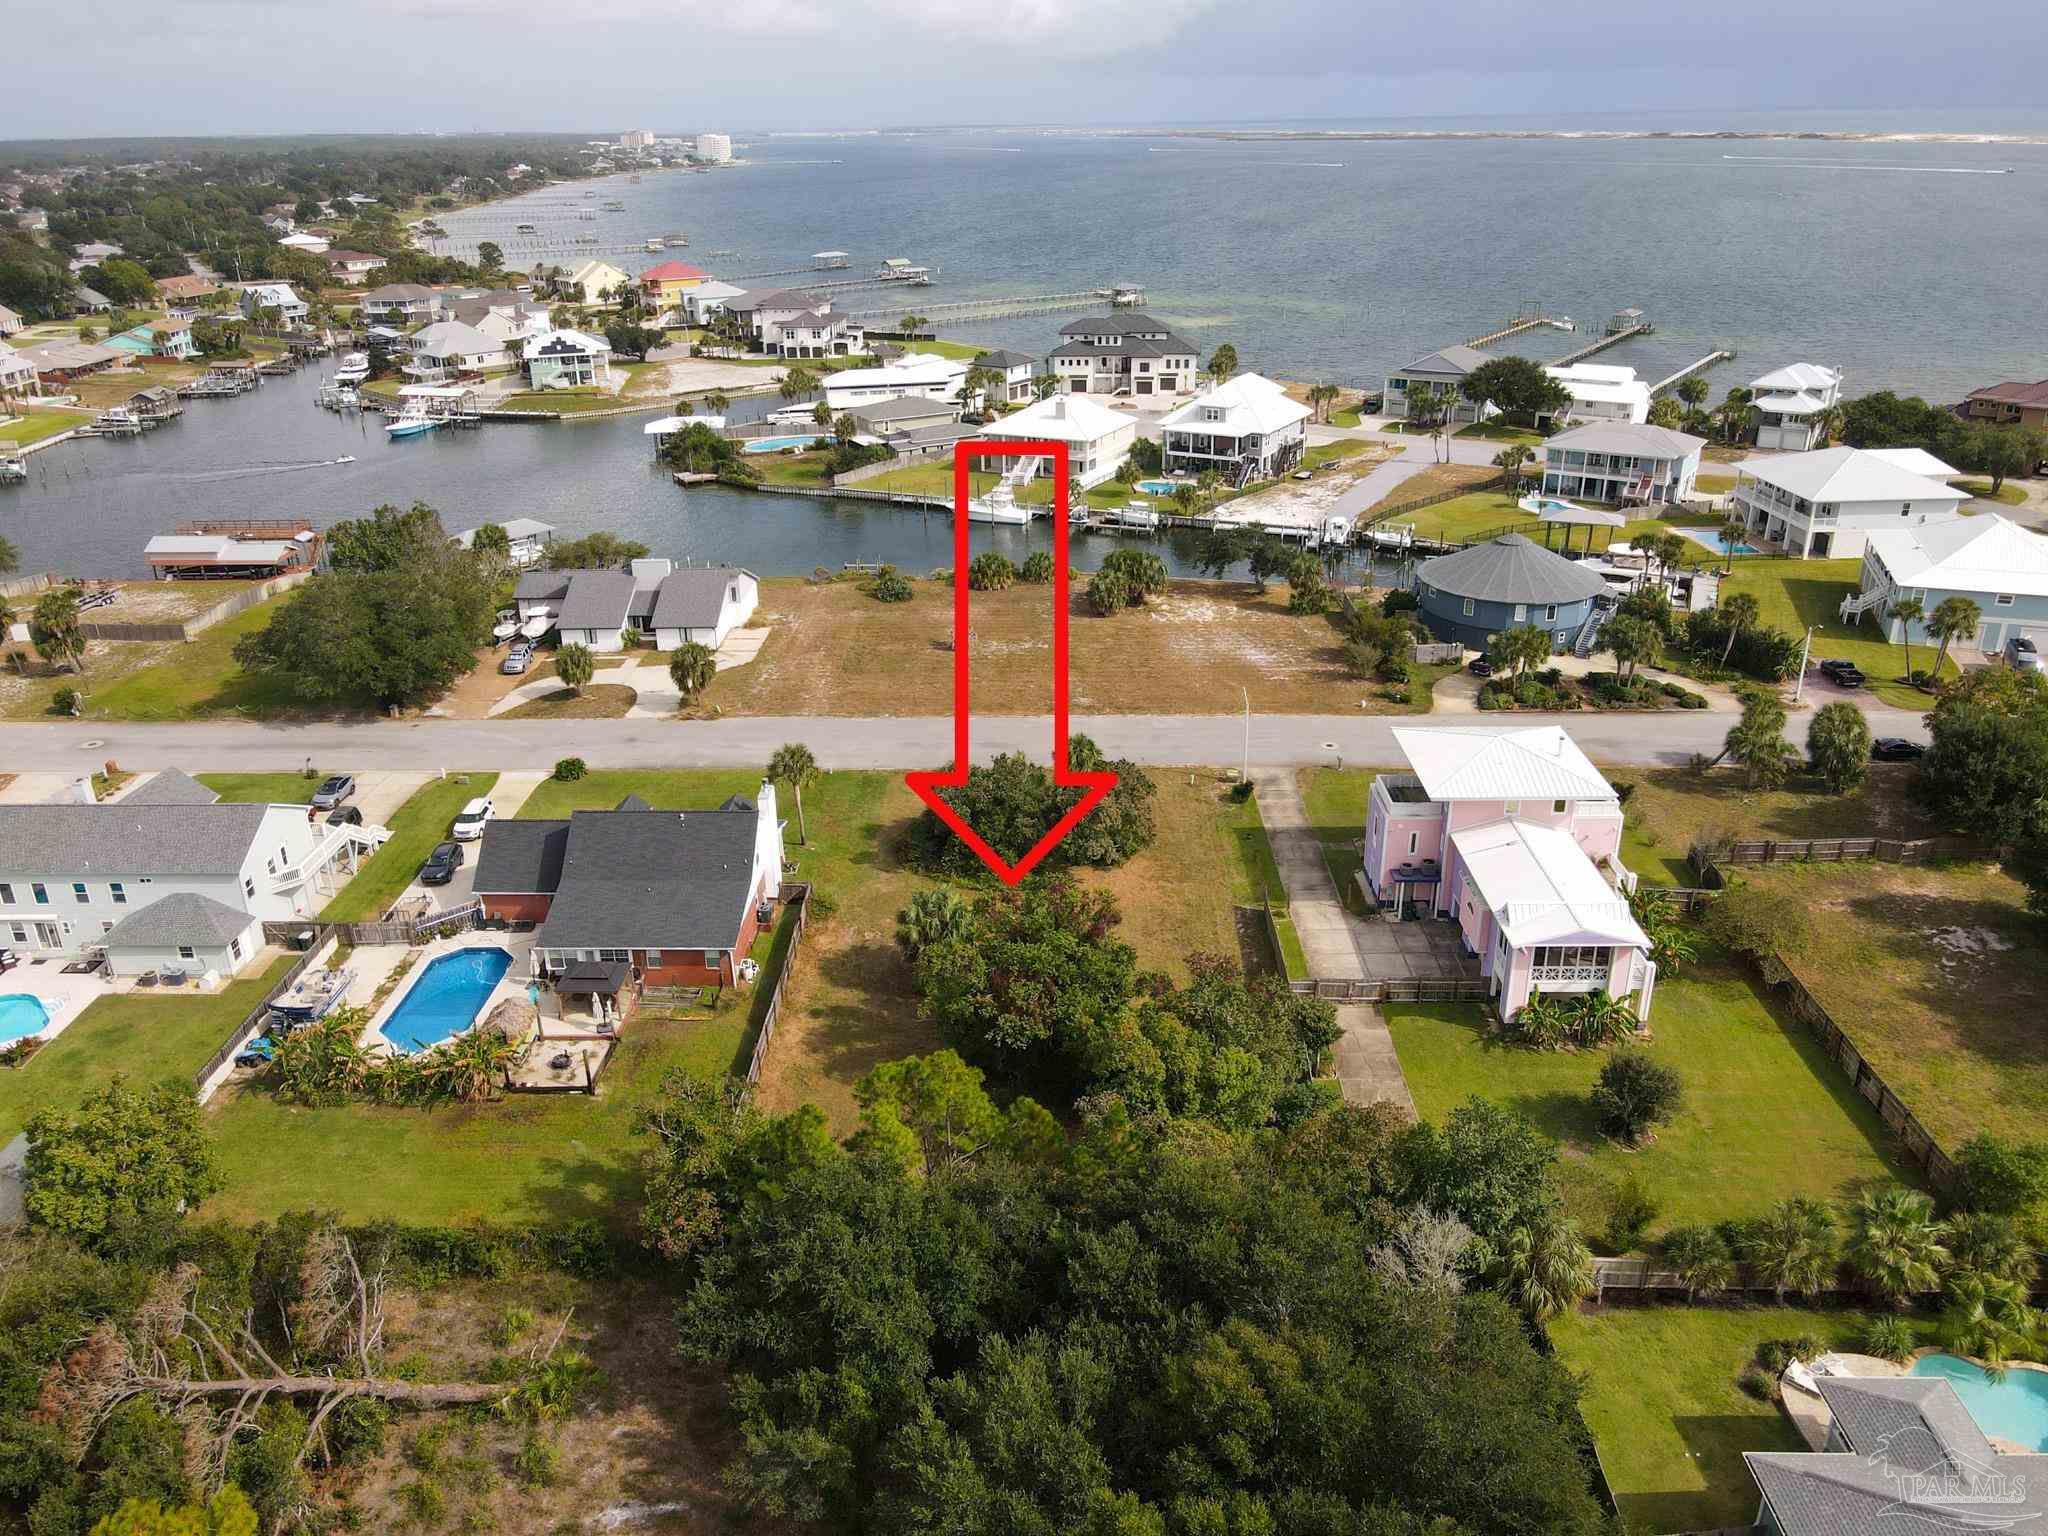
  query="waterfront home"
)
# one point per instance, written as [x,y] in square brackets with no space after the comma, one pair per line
[703,605]
[568,360]
[185,288]
[708,298]
[61,362]
[257,297]
[201,555]
[526,538]
[1621,461]
[651,597]
[1246,429]
[2013,403]
[306,242]
[17,373]
[902,413]
[171,338]
[1824,503]
[1903,1457]
[1509,582]
[1600,392]
[1792,404]
[821,333]
[1446,370]
[1915,461]
[761,312]
[1098,439]
[593,281]
[10,322]
[354,266]
[915,373]
[1125,353]
[448,347]
[75,877]
[663,285]
[669,898]
[1512,834]
[513,326]
[399,304]
[1017,372]
[1999,566]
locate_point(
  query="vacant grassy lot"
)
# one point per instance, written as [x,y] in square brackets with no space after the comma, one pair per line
[1935,972]
[1765,1115]
[834,650]
[1501,432]
[1435,480]
[2007,495]
[195,680]
[34,426]
[1793,594]
[595,701]
[1662,1402]
[420,823]
[146,1036]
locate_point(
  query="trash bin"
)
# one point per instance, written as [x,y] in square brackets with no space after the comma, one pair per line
[302,941]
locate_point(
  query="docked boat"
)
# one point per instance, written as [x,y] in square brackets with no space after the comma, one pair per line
[1134,514]
[1000,505]
[353,369]
[335,396]
[13,468]
[504,631]
[679,240]
[538,625]
[524,229]
[654,245]
[410,422]
[614,206]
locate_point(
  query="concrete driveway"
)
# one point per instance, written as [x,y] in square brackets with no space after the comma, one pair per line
[379,794]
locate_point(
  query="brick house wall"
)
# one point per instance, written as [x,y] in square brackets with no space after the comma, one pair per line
[531,907]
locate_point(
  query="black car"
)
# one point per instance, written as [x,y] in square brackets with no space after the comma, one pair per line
[345,815]
[1479,666]
[1896,749]
[1843,674]
[441,864]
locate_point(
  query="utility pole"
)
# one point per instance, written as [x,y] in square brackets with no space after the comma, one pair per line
[1244,772]
[1805,651]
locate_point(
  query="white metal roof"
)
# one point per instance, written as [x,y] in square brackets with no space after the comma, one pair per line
[452,338]
[1965,554]
[1635,437]
[1249,403]
[1796,378]
[1536,762]
[1798,403]
[434,391]
[218,547]
[1062,418]
[1541,887]
[1917,461]
[1845,474]
[1595,384]
[661,426]
[913,370]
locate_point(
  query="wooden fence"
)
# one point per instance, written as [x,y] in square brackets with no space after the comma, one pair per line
[414,930]
[1395,989]
[1832,850]
[1380,514]
[797,896]
[210,1076]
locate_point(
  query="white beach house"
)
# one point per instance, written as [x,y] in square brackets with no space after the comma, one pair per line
[1621,461]
[914,373]
[1098,438]
[1999,566]
[1791,404]
[448,347]
[1825,503]
[1603,392]
[568,360]
[1245,430]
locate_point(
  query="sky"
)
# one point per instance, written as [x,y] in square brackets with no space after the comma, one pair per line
[276,66]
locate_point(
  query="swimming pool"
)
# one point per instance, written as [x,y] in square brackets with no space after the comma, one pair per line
[2013,1409]
[1717,544]
[446,998]
[1159,487]
[777,444]
[21,1016]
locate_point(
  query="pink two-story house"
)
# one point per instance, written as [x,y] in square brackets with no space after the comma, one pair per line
[1511,833]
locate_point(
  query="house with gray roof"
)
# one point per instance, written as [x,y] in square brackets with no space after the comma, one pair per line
[677,896]
[596,608]
[1446,370]
[1017,371]
[1622,462]
[74,876]
[1903,1457]
[1124,353]
[703,605]
[400,304]
[1472,594]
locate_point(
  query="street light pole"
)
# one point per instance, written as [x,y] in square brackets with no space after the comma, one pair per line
[1805,653]
[1244,772]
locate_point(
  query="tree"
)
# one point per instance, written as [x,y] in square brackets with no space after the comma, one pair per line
[227,1513]
[1045,385]
[125,1162]
[602,551]
[794,765]
[1012,802]
[1666,412]
[1701,1258]
[490,256]
[127,282]
[491,542]
[1516,386]
[575,666]
[1693,391]
[934,916]
[911,324]
[1321,397]
[1954,618]
[1887,420]
[821,413]
[1838,746]
[1757,741]
[981,388]
[10,558]
[387,540]
[1509,462]
[716,402]
[1670,936]
[797,382]
[1792,1247]
[1731,416]
[1907,611]
[630,339]
[1896,1244]
[1732,531]
[2001,451]
[691,667]
[1759,921]
[1986,771]
[1631,642]
[1741,610]
[990,571]
[1987,1317]
[1635,1094]
[1143,571]
[1996,1176]
[55,630]
[1546,1267]
[1516,650]
[1223,363]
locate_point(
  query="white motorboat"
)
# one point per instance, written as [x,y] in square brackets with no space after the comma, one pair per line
[505,631]
[353,369]
[1000,505]
[537,626]
[410,422]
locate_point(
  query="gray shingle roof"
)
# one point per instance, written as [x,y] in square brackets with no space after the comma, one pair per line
[1510,569]
[653,880]
[541,586]
[1130,346]
[1003,360]
[693,599]
[519,858]
[1456,361]
[58,841]
[1637,437]
[1124,323]
[185,917]
[597,600]
[171,787]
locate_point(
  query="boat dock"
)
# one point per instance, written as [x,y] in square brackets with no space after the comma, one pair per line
[1114,295]
[1629,322]
[1521,323]
[1720,355]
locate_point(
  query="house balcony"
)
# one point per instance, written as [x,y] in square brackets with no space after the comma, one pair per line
[1402,794]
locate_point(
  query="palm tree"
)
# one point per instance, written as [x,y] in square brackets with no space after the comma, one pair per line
[1223,363]
[1953,619]
[1546,1266]
[1671,940]
[717,403]
[1908,611]
[793,765]
[1700,1256]
[1831,422]
[469,1066]
[933,917]
[1792,1246]
[1693,391]
[1896,1244]
[1757,740]
[1987,1317]
[1509,462]
[1045,385]
[1670,550]
[1732,531]
[797,382]
[1731,416]
[911,324]
[575,666]
[691,667]
[1630,641]
[1740,610]
[1320,398]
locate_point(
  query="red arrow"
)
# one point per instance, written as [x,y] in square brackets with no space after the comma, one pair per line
[926,785]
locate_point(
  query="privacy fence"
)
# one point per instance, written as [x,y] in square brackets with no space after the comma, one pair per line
[797,897]
[214,1073]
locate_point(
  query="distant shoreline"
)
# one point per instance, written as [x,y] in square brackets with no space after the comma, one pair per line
[1729,135]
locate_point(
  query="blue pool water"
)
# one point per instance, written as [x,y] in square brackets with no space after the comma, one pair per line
[2013,1409]
[1716,543]
[777,444]
[446,998]
[1157,487]
[20,1017]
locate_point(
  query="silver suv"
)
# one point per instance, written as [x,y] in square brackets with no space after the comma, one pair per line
[2021,654]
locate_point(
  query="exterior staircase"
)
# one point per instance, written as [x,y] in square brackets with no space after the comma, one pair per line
[1856,604]
[1589,632]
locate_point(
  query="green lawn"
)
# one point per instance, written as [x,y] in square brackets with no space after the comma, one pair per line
[37,425]
[1336,801]
[569,402]
[262,788]
[1500,432]
[198,679]
[1316,455]
[1793,594]
[1669,1420]
[1467,517]
[416,827]
[1349,418]
[1713,485]
[1766,1115]
[2007,495]
[937,480]
[147,1036]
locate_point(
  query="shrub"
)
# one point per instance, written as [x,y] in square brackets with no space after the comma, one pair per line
[991,572]
[1109,593]
[1635,1094]
[1999,1177]
[1013,802]
[1759,921]
[1400,600]
[1773,1355]
[356,1428]
[1308,592]
[1890,1338]
[67,701]
[569,769]
[539,1462]
[889,586]
[1630,1210]
[1037,569]
[1143,571]
[1757,1384]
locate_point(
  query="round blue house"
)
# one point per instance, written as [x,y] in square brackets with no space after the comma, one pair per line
[1506,583]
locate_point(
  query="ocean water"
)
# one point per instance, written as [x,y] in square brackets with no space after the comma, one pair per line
[1911,265]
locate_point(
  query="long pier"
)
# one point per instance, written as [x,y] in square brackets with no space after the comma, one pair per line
[1612,339]
[1526,323]
[989,309]
[1720,355]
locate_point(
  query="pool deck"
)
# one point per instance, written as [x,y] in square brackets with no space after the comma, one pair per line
[375,964]
[1810,1416]
[64,997]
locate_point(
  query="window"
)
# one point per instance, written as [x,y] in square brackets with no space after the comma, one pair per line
[186,952]
[711,959]
[235,948]
[78,893]
[41,893]
[1521,612]
[7,894]
[653,957]
[119,892]
[2003,600]
[614,956]
[1468,608]
[248,885]
[1414,839]
[1511,808]
[1586,957]
[20,933]
[271,865]
[106,928]
[1557,807]
[1550,612]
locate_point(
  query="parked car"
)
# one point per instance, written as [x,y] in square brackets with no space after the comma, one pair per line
[1896,749]
[345,815]
[1843,674]
[334,789]
[1479,666]
[470,824]
[517,660]
[442,863]
[2022,655]
[259,1052]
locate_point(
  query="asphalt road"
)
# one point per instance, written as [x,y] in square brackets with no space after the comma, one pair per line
[924,742]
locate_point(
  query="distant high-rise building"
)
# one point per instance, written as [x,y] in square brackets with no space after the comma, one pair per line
[637,138]
[715,147]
